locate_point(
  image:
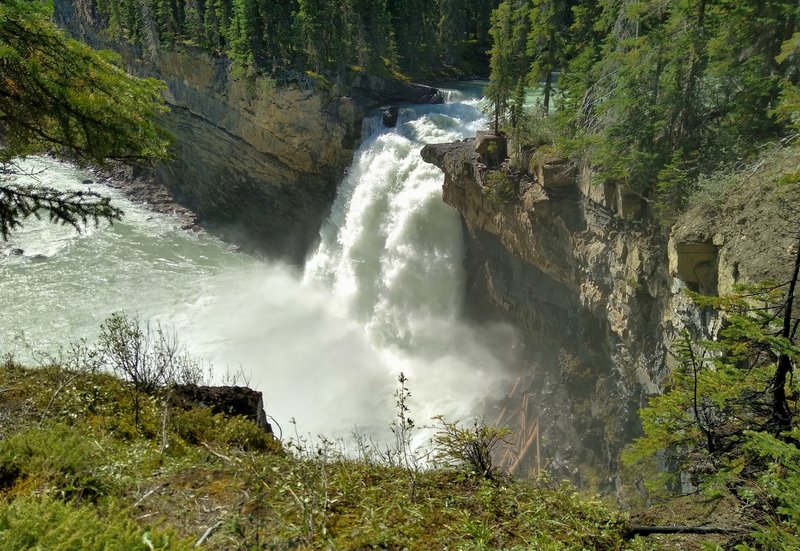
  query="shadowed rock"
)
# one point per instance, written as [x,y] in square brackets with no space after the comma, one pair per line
[231,400]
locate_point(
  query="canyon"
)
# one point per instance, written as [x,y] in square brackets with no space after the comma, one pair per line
[591,279]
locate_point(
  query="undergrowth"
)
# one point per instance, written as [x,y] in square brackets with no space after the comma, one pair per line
[77,472]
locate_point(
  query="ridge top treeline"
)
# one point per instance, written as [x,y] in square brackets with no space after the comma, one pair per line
[653,93]
[422,37]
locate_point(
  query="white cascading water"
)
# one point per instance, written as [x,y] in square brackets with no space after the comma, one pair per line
[381,294]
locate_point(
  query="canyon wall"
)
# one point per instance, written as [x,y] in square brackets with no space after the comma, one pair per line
[596,286]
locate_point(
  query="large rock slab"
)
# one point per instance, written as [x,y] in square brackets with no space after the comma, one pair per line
[230,400]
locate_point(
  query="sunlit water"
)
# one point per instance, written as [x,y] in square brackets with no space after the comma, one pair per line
[381,295]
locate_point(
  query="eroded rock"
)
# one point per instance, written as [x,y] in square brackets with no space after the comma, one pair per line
[230,400]
[585,286]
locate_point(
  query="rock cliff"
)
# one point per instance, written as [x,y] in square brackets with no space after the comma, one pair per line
[596,287]
[258,163]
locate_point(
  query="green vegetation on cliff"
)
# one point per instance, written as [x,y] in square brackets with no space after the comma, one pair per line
[728,422]
[329,36]
[652,93]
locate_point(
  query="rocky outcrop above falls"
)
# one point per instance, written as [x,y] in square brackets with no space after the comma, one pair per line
[597,289]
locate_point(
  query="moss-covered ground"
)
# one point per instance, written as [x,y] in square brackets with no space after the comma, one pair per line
[77,474]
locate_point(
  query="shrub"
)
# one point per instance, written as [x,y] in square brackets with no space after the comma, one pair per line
[46,523]
[200,425]
[150,359]
[500,188]
[58,457]
[470,448]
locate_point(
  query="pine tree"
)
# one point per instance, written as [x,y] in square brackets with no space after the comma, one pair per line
[452,29]
[546,44]
[244,35]
[374,42]
[58,95]
[313,22]
[729,417]
[193,17]
[501,79]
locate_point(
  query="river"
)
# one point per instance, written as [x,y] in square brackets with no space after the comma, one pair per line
[381,294]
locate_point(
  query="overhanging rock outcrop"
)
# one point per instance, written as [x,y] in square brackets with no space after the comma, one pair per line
[590,293]
[597,287]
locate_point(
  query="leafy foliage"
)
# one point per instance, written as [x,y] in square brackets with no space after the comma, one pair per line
[500,187]
[150,359]
[653,94]
[46,523]
[59,95]
[75,208]
[325,36]
[472,448]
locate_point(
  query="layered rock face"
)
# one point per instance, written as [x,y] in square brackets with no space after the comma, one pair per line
[583,286]
[259,164]
[597,290]
[259,167]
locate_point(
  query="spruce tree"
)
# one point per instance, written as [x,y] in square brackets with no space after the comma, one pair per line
[546,44]
[501,79]
[58,95]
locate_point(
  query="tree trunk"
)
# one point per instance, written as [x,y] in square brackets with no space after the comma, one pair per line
[781,413]
[548,85]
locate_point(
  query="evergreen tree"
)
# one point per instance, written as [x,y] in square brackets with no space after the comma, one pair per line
[194,17]
[278,33]
[217,22]
[58,95]
[501,79]
[519,36]
[313,21]
[657,93]
[373,33]
[244,34]
[729,417]
[547,44]
[415,23]
[452,29]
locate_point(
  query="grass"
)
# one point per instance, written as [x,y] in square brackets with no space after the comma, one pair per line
[75,473]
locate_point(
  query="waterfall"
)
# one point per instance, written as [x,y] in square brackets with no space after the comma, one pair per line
[391,257]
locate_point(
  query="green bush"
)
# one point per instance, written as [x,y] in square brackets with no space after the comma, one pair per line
[500,188]
[58,459]
[52,525]
[200,425]
[471,448]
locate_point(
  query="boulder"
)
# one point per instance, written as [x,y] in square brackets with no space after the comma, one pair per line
[389,116]
[231,400]
[491,148]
